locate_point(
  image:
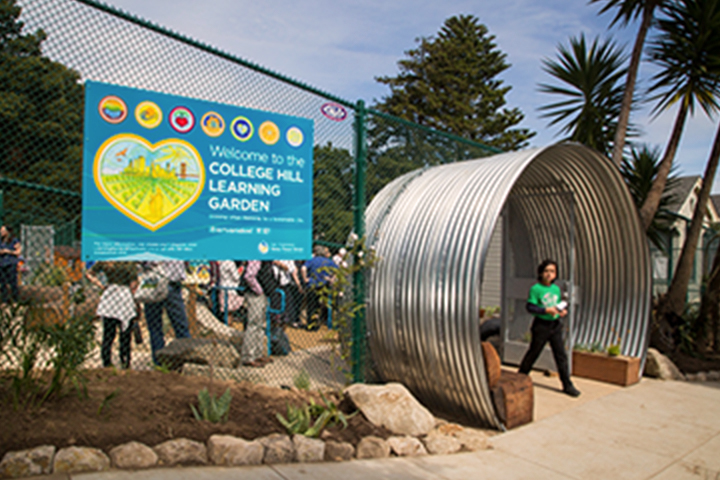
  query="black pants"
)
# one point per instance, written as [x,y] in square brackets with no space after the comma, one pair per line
[110,326]
[293,302]
[316,311]
[543,331]
[8,280]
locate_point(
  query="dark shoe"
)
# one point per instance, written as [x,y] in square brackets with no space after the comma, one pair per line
[572,391]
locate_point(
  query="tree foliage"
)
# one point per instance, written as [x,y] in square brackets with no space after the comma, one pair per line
[450,83]
[591,89]
[332,193]
[639,171]
[41,117]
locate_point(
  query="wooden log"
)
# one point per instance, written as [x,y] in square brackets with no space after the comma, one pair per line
[514,399]
[493,368]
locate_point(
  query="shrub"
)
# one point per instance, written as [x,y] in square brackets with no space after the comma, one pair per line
[212,409]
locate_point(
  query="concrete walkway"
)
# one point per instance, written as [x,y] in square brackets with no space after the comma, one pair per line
[653,430]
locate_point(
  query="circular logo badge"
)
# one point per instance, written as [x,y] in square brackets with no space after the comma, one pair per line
[181,119]
[242,129]
[112,109]
[334,111]
[148,114]
[263,247]
[294,136]
[269,133]
[212,124]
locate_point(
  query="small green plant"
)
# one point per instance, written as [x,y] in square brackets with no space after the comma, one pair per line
[302,380]
[162,368]
[106,401]
[212,409]
[71,342]
[596,347]
[581,347]
[613,350]
[311,419]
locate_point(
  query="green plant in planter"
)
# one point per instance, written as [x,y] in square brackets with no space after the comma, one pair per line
[212,409]
[613,350]
[596,347]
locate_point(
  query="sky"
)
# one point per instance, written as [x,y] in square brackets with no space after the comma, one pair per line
[340,47]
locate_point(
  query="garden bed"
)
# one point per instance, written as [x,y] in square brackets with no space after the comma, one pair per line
[151,407]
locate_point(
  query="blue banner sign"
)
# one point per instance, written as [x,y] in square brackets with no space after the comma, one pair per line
[167,177]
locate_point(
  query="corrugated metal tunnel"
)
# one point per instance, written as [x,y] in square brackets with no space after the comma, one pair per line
[432,230]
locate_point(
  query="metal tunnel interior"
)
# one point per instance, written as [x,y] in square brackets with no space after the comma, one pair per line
[432,229]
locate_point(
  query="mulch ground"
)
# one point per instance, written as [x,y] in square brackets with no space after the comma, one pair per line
[151,407]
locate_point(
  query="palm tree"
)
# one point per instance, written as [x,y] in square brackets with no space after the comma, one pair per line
[686,49]
[639,171]
[675,299]
[628,10]
[593,91]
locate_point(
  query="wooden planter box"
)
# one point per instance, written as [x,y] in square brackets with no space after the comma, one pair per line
[618,370]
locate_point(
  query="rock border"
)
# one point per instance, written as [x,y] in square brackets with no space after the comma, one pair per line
[227,450]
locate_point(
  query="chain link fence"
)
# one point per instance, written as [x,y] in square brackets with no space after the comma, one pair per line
[304,333]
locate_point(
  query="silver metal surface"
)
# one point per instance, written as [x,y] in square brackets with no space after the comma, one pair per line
[431,230]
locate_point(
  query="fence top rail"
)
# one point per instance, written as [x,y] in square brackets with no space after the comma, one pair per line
[35,186]
[447,135]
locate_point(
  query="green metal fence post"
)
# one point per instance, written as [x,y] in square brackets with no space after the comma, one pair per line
[358,353]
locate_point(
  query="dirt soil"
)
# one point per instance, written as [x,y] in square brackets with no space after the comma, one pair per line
[151,407]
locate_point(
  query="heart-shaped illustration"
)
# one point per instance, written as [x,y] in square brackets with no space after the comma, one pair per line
[150,184]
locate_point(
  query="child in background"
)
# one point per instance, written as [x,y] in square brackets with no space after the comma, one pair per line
[117,307]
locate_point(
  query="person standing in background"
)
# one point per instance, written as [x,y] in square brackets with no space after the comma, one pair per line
[316,274]
[10,250]
[117,307]
[258,277]
[174,306]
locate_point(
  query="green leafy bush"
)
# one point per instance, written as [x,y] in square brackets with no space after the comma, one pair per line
[212,409]
[311,419]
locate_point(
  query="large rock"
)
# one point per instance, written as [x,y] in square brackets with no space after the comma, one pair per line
[308,449]
[133,455]
[278,448]
[338,451]
[393,407]
[181,451]
[439,443]
[406,446]
[25,463]
[79,460]
[229,451]
[659,366]
[372,447]
[202,351]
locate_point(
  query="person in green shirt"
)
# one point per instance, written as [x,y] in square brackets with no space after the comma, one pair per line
[544,303]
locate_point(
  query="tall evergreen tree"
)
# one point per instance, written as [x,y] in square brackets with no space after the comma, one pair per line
[450,83]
